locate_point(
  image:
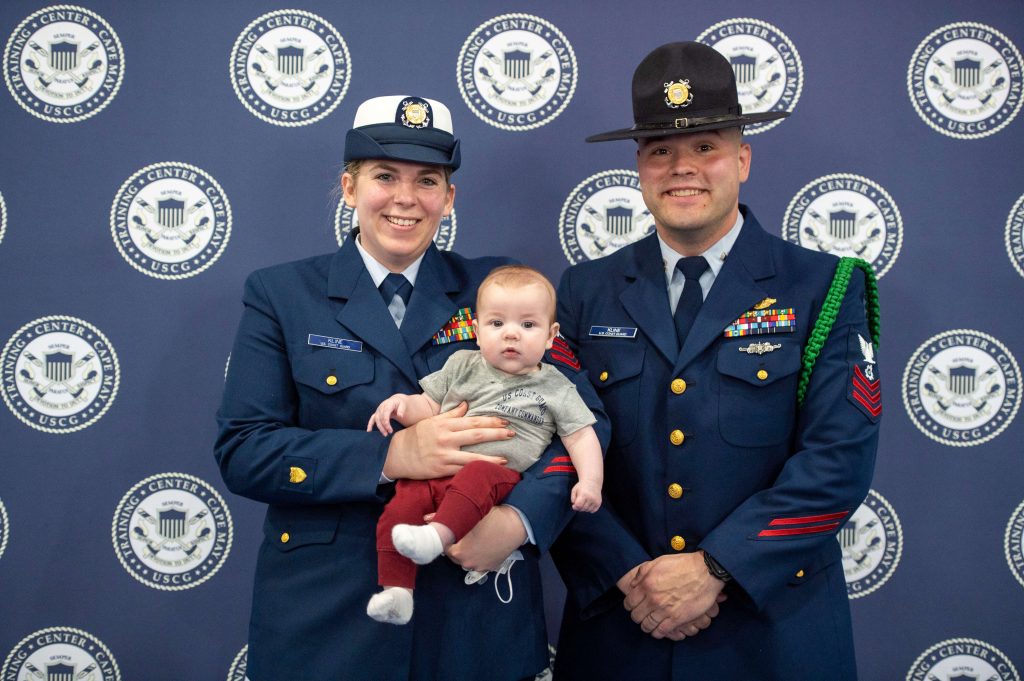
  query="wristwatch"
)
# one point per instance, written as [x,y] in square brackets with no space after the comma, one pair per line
[715,568]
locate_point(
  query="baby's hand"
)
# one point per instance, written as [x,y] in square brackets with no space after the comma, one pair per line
[586,497]
[393,406]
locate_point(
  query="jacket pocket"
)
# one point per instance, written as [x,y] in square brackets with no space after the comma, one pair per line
[331,371]
[616,370]
[288,528]
[757,401]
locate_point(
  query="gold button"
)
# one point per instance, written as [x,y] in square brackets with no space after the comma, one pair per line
[762,374]
[679,386]
[603,377]
[676,437]
[296,474]
[332,380]
[800,574]
[675,490]
[285,537]
[678,543]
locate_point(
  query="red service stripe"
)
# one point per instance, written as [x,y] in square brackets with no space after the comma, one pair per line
[798,530]
[809,519]
[561,459]
[874,395]
[874,408]
[572,362]
[560,469]
[870,385]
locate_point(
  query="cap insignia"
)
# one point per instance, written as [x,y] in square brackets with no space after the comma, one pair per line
[415,114]
[677,94]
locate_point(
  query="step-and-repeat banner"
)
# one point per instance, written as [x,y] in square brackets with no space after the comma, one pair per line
[153,154]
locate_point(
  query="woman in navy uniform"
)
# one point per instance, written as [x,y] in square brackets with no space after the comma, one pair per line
[321,343]
[719,483]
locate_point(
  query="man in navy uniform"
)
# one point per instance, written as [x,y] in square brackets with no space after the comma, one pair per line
[725,491]
[321,343]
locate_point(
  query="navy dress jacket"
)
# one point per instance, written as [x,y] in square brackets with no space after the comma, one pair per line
[763,485]
[293,436]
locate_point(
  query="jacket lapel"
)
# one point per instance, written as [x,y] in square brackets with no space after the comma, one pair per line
[430,306]
[736,289]
[646,298]
[364,312]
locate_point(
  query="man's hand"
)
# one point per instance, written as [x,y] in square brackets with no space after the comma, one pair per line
[693,627]
[492,540]
[672,595]
[430,449]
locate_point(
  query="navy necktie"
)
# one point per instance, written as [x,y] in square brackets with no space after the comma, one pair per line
[395,284]
[692,297]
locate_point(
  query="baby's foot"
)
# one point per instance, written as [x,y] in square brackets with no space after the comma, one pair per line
[419,543]
[393,605]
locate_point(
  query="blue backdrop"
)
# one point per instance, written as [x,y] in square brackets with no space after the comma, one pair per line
[155,153]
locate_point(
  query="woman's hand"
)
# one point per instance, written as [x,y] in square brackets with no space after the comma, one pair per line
[431,448]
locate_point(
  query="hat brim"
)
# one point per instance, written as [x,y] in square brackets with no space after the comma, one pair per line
[719,123]
[399,144]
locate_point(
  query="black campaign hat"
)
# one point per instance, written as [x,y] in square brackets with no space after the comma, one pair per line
[684,87]
[404,128]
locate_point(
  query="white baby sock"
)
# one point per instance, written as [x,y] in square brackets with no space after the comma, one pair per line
[393,605]
[419,543]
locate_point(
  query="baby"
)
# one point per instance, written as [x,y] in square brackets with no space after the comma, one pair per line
[514,326]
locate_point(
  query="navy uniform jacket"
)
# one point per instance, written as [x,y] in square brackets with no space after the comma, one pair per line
[765,485]
[293,435]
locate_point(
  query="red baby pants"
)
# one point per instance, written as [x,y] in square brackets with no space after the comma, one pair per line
[460,502]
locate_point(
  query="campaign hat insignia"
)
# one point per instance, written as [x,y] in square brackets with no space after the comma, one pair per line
[678,94]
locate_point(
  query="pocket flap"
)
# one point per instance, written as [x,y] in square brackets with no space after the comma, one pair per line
[289,528]
[611,364]
[330,371]
[763,369]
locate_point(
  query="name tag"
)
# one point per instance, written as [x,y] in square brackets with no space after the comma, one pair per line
[335,343]
[613,331]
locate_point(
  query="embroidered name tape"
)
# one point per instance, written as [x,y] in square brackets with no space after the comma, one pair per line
[613,331]
[757,322]
[335,343]
[458,328]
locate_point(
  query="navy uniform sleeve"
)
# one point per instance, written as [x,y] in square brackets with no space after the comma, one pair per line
[791,526]
[596,549]
[262,453]
[543,493]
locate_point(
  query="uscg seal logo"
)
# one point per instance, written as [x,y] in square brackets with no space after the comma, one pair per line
[170,220]
[59,653]
[961,387]
[769,74]
[346,220]
[172,531]
[237,671]
[290,67]
[847,215]
[963,659]
[60,374]
[63,64]
[872,543]
[1014,235]
[1013,543]
[602,214]
[965,80]
[517,71]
